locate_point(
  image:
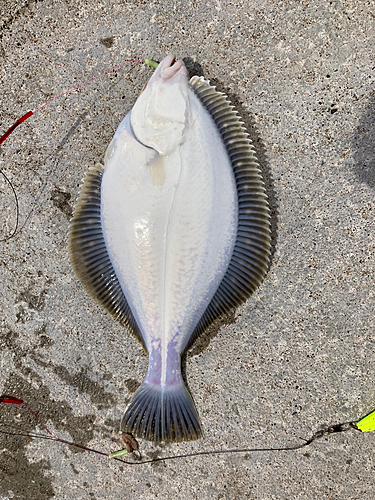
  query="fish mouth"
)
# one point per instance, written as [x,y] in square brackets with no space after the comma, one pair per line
[170,67]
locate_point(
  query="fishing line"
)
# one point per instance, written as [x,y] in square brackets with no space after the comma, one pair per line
[366,424]
[17,208]
[52,155]
[31,113]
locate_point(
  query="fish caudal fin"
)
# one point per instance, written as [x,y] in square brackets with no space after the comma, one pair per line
[162,414]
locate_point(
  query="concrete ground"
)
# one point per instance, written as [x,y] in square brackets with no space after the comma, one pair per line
[299,355]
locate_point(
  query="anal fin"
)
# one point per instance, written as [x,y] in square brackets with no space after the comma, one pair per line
[89,255]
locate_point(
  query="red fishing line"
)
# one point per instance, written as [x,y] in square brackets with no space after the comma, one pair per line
[11,400]
[15,125]
[30,113]
[342,427]
[16,401]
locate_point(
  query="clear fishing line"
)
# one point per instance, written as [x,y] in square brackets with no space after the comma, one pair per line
[366,424]
[30,113]
[27,115]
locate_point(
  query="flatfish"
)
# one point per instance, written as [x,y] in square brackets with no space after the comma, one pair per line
[172,233]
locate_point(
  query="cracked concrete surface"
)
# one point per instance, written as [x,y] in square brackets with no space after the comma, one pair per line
[299,354]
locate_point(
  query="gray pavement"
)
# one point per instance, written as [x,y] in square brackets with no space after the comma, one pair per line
[299,355]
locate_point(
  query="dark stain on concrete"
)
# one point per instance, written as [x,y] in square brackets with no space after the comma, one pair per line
[29,481]
[112,424]
[193,67]
[80,381]
[22,315]
[132,384]
[44,340]
[108,42]
[106,431]
[35,302]
[60,200]
[8,340]
[10,13]
[363,145]
[74,469]
[85,384]
[89,487]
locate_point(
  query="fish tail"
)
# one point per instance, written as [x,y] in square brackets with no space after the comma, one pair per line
[159,413]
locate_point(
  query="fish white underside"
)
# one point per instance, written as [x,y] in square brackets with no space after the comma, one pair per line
[170,224]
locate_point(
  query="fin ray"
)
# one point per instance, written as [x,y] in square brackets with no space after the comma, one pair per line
[251,253]
[162,414]
[89,255]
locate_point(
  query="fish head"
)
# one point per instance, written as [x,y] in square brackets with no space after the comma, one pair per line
[161,115]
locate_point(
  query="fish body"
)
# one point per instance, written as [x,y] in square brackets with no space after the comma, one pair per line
[156,235]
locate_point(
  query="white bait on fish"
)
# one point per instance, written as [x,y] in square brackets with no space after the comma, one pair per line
[172,233]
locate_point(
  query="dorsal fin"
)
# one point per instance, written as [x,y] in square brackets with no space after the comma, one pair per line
[89,255]
[253,242]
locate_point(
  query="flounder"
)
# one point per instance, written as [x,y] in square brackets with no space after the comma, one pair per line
[171,233]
